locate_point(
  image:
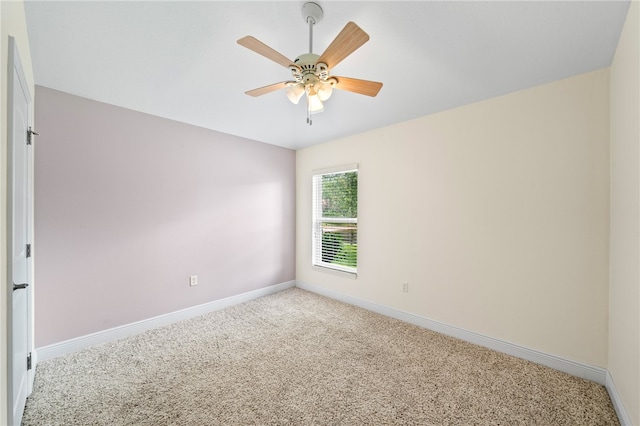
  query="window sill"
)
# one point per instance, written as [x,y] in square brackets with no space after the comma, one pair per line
[344,274]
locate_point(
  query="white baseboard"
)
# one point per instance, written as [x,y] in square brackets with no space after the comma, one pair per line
[589,372]
[621,411]
[78,343]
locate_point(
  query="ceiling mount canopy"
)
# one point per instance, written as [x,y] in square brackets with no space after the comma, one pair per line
[312,11]
[311,72]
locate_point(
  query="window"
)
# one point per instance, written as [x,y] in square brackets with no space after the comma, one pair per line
[335,219]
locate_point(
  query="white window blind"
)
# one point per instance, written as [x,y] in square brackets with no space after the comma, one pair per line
[335,219]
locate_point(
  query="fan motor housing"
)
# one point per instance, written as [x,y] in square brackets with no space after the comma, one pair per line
[307,61]
[307,70]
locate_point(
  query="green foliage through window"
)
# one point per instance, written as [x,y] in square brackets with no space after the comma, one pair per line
[340,195]
[339,244]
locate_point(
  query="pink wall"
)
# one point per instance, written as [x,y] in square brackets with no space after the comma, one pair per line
[128,205]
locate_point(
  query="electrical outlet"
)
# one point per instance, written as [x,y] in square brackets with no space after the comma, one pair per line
[193,280]
[405,286]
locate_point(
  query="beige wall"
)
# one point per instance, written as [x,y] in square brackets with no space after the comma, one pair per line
[624,321]
[496,213]
[12,23]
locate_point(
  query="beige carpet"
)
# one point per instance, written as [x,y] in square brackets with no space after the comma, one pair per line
[296,358]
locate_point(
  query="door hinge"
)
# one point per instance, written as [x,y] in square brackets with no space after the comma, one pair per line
[29,361]
[31,133]
[28,250]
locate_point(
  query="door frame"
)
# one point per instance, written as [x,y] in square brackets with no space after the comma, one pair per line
[15,69]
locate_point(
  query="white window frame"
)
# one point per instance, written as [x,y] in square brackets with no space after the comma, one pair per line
[318,219]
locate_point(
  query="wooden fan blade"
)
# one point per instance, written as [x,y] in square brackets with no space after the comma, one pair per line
[267,89]
[363,87]
[350,38]
[260,48]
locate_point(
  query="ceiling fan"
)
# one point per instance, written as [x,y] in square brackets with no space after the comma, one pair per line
[311,72]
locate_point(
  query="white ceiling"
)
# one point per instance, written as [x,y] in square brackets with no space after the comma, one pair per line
[180,60]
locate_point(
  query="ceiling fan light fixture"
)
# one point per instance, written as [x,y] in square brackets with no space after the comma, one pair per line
[294,93]
[315,104]
[324,90]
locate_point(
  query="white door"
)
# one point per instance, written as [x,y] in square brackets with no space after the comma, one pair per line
[20,291]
